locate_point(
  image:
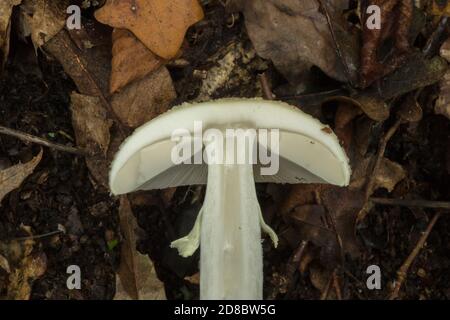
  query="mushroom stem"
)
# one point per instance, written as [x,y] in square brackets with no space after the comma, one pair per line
[228,230]
[231,252]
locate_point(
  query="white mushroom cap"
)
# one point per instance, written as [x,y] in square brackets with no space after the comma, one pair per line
[309,151]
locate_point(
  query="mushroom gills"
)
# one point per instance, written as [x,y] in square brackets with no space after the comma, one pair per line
[228,229]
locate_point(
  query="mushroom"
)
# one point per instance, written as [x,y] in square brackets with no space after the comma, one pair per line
[228,227]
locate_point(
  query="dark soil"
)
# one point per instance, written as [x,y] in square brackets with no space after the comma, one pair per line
[59,192]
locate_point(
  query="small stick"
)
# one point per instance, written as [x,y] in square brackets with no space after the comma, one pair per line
[40,141]
[412,203]
[39,236]
[381,150]
[403,271]
[326,291]
[265,85]
[336,285]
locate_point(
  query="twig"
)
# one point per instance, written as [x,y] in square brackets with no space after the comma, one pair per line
[403,271]
[434,41]
[326,291]
[293,265]
[265,85]
[336,285]
[336,43]
[315,98]
[412,203]
[39,236]
[381,150]
[40,141]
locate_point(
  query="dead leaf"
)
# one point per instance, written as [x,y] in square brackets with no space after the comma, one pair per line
[91,124]
[25,266]
[443,102]
[344,205]
[144,99]
[137,279]
[89,68]
[396,18]
[334,219]
[388,175]
[440,7]
[300,194]
[410,110]
[6,7]
[417,72]
[295,35]
[131,60]
[42,19]
[4,264]
[13,177]
[92,131]
[160,24]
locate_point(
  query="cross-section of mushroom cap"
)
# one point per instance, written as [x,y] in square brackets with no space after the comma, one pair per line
[309,152]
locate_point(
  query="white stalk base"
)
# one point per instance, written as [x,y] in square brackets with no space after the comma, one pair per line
[229,228]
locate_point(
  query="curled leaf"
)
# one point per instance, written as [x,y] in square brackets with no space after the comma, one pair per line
[13,177]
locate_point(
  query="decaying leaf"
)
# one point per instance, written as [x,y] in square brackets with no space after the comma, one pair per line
[443,102]
[137,279]
[396,19]
[331,224]
[417,72]
[91,124]
[131,60]
[4,264]
[89,68]
[295,35]
[160,24]
[13,177]
[144,99]
[388,175]
[440,7]
[42,19]
[25,267]
[6,7]
[92,131]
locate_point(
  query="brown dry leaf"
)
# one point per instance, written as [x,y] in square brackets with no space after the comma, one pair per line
[89,68]
[131,60]
[13,177]
[4,264]
[25,266]
[6,7]
[300,194]
[336,217]
[160,24]
[42,19]
[294,34]
[137,279]
[417,72]
[92,131]
[440,7]
[388,175]
[396,18]
[443,102]
[344,205]
[144,99]
[91,124]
